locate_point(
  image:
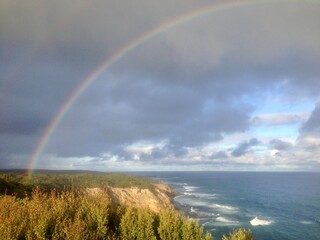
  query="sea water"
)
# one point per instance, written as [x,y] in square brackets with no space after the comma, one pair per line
[273,205]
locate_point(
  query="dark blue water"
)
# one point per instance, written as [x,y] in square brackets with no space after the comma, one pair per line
[273,205]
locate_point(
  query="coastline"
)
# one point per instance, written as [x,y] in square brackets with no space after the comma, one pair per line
[223,201]
[129,208]
[157,199]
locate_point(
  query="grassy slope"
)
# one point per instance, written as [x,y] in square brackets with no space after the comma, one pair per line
[14,182]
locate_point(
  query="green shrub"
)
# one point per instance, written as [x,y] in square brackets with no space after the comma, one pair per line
[79,215]
[173,226]
[240,234]
[65,215]
[137,224]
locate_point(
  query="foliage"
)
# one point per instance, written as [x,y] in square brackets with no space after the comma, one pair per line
[79,215]
[65,215]
[54,205]
[137,224]
[240,234]
[69,180]
[173,226]
[14,188]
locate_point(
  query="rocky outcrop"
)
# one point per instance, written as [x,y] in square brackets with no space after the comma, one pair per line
[156,199]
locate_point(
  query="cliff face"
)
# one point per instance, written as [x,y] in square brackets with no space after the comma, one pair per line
[156,200]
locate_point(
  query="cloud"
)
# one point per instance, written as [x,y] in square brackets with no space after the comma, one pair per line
[312,125]
[147,111]
[280,144]
[191,86]
[244,147]
[219,155]
[309,138]
[282,118]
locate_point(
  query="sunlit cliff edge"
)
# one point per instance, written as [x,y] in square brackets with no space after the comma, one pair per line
[120,189]
[156,200]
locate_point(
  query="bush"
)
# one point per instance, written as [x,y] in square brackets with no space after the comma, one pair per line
[13,219]
[137,224]
[240,234]
[65,215]
[173,226]
[79,215]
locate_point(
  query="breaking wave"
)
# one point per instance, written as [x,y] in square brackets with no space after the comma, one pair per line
[260,222]
[189,188]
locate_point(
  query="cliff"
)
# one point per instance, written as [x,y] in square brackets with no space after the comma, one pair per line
[156,199]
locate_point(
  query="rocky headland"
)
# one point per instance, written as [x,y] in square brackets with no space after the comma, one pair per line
[156,199]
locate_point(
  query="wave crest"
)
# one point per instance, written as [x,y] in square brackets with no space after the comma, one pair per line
[307,222]
[260,222]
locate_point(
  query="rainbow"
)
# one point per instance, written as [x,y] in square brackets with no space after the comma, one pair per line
[120,53]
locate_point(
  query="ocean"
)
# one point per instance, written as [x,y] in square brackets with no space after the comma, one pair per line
[273,205]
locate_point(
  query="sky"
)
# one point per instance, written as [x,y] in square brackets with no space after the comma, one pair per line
[235,89]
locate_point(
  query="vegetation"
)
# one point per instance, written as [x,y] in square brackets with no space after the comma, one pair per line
[16,182]
[79,215]
[14,188]
[240,234]
[56,206]
[173,226]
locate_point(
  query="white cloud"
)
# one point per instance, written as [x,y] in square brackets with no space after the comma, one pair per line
[280,118]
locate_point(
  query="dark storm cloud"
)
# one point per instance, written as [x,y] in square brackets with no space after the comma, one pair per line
[147,111]
[30,96]
[258,47]
[244,147]
[19,119]
[189,86]
[312,125]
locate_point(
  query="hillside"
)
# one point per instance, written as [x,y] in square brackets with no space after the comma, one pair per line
[90,206]
[120,189]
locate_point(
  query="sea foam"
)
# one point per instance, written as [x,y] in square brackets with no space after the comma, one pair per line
[201,213]
[226,221]
[225,207]
[260,222]
[189,188]
[307,222]
[192,202]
